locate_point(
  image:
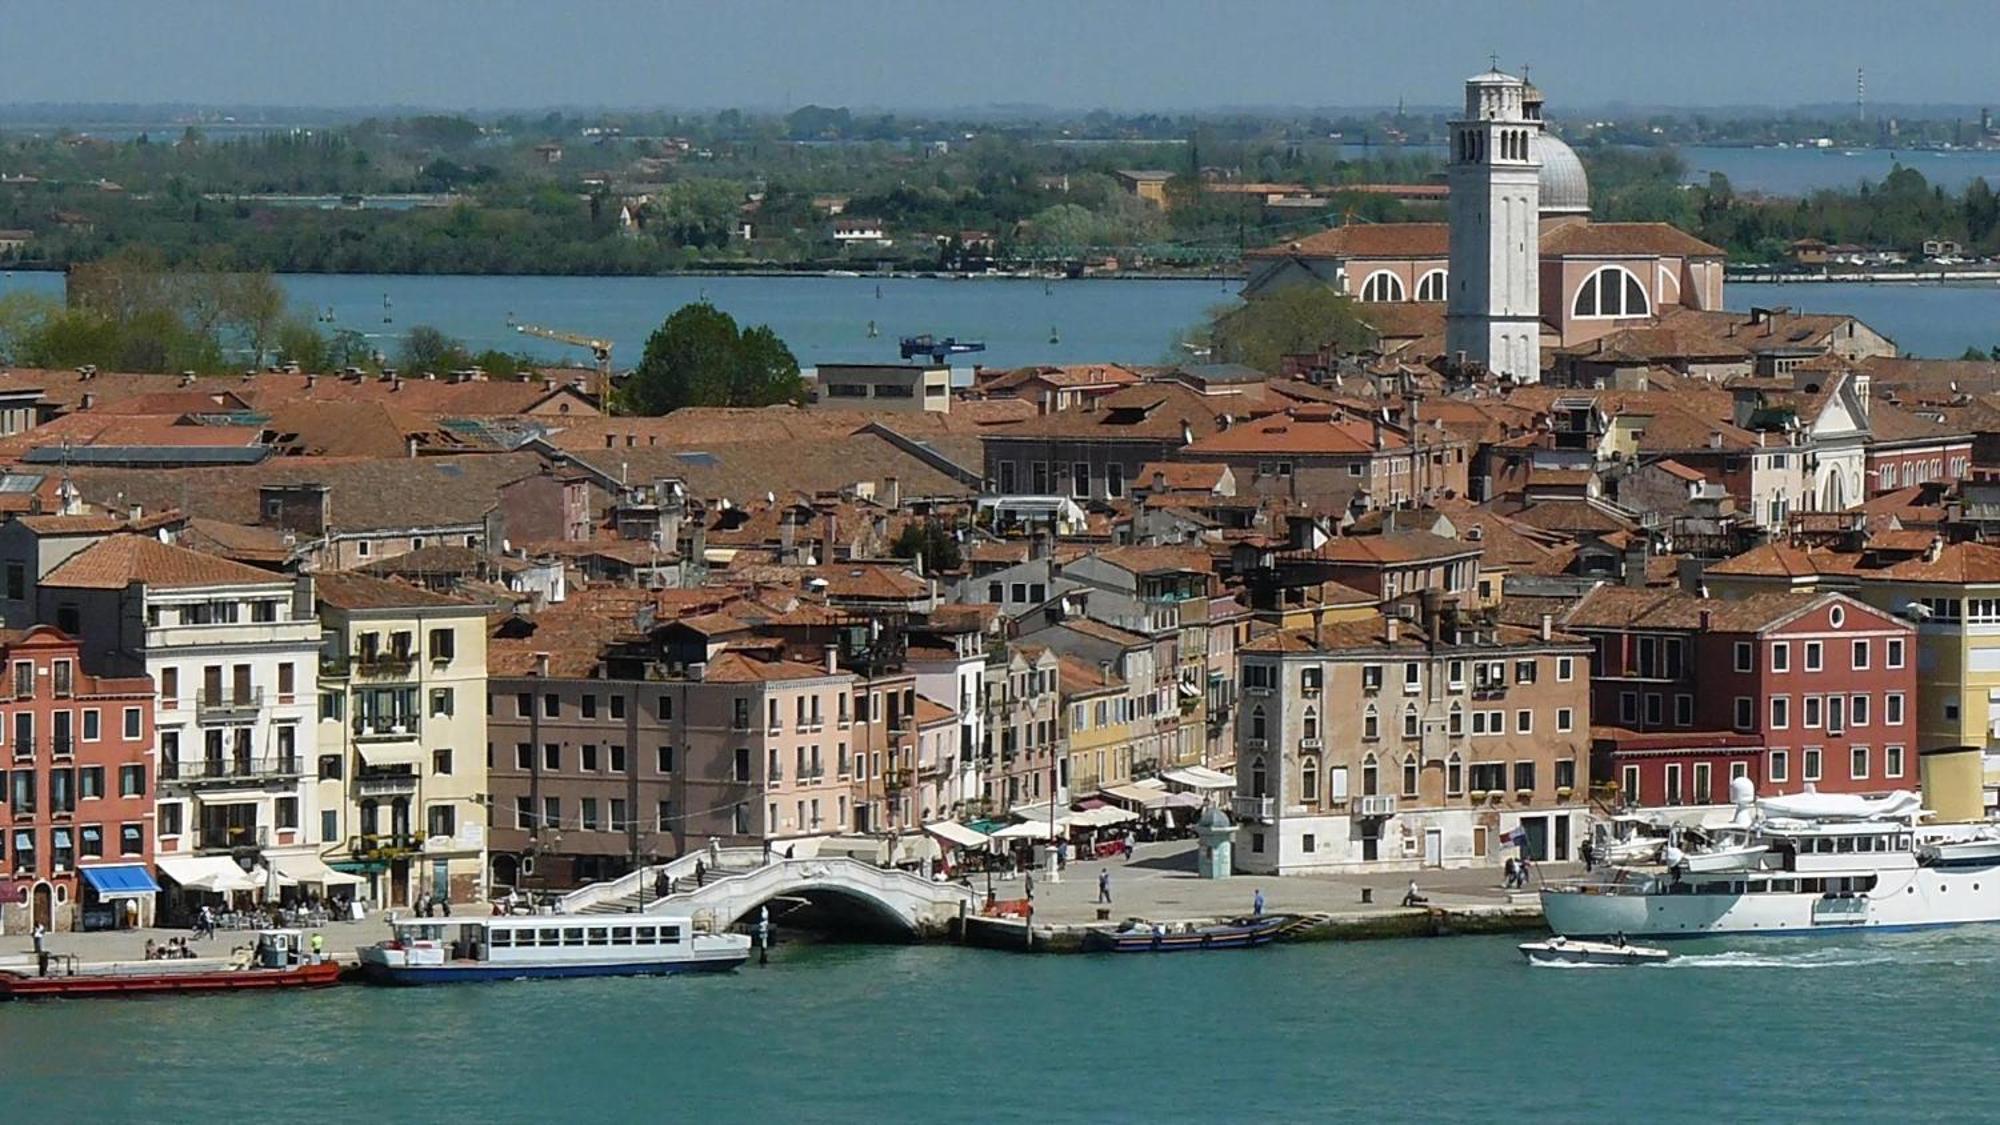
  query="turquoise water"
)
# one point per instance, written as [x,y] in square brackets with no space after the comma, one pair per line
[825,319]
[1889,1028]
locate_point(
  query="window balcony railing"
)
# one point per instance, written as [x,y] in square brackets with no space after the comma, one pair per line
[385,784]
[231,768]
[228,704]
[231,838]
[387,845]
[386,728]
[384,663]
[1254,808]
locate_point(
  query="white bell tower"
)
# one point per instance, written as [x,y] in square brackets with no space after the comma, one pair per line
[1493,304]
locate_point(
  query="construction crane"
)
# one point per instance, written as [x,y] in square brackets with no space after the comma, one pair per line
[600,352]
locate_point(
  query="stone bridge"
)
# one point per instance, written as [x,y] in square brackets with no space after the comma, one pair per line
[836,894]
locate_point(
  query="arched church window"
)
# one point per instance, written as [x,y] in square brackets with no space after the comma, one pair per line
[1382,286]
[1309,779]
[1611,291]
[1430,287]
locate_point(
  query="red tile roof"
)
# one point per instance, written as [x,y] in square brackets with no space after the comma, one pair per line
[113,563]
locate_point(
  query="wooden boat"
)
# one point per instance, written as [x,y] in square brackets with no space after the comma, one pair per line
[1134,936]
[276,961]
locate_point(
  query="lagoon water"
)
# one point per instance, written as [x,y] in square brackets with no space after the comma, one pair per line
[825,319]
[1875,1029]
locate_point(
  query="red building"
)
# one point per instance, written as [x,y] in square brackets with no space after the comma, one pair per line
[1823,683]
[76,826]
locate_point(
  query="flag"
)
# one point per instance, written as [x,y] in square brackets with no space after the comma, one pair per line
[1514,835]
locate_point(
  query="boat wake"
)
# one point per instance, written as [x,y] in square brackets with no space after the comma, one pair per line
[1816,959]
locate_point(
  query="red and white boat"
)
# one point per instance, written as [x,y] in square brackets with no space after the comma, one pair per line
[278,960]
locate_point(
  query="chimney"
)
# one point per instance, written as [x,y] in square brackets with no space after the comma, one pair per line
[187,378]
[1707,621]
[1635,563]
[1187,433]
[548,384]
[1104,671]
[1432,601]
[542,664]
[1375,430]
[89,400]
[1549,626]
[832,655]
[895,490]
[410,445]
[395,383]
[312,380]
[1392,629]
[698,671]
[134,512]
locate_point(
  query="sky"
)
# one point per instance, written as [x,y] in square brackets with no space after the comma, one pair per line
[913,55]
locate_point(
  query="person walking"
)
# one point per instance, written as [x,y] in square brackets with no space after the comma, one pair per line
[1589,852]
[1507,878]
[700,873]
[1257,903]
[1030,878]
[1104,885]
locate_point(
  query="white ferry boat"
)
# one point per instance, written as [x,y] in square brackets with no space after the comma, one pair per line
[450,951]
[1808,864]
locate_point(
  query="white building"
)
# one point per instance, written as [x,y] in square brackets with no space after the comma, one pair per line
[1493,312]
[234,656]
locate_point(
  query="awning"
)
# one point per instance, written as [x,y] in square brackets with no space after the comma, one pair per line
[1189,691]
[1031,830]
[1184,801]
[1102,817]
[1138,795]
[952,832]
[1200,777]
[120,880]
[382,755]
[310,869]
[207,873]
[1038,812]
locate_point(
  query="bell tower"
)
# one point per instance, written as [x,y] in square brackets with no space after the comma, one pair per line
[1493,299]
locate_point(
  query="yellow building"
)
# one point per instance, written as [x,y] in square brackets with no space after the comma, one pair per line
[402,737]
[1095,707]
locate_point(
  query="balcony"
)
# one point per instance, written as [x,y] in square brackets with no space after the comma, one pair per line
[385,846]
[1255,745]
[384,664]
[385,784]
[1309,744]
[228,706]
[231,770]
[386,728]
[217,838]
[1380,804]
[1259,809]
[24,749]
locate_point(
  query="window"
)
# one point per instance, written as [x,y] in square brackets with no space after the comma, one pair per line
[170,819]
[1860,656]
[1455,722]
[132,780]
[1745,716]
[551,756]
[1411,775]
[442,702]
[1683,710]
[551,706]
[1524,671]
[1524,722]
[1079,480]
[1857,767]
[1809,717]
[444,645]
[286,812]
[1629,786]
[1430,287]
[1892,761]
[1566,774]
[133,721]
[1565,669]
[1781,656]
[1811,758]
[1524,775]
[441,762]
[743,768]
[1610,291]
[1857,710]
[1371,724]
[1704,783]
[1489,777]
[1309,779]
[1382,286]
[1565,720]
[1371,677]
[1894,656]
[1815,656]
[17,581]
[1780,765]
[1370,776]
[131,839]
[90,782]
[524,704]
[1743,659]
[92,724]
[441,821]
[1672,774]
[587,706]
[329,766]
[1410,721]
[587,753]
[1781,712]
[1412,679]
[1454,776]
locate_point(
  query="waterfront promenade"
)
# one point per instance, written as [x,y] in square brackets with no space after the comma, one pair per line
[342,938]
[1160,884]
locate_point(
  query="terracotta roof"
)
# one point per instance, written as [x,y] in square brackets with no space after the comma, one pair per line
[1619,607]
[1181,476]
[1290,434]
[1675,468]
[930,712]
[1390,547]
[1155,411]
[1367,240]
[113,563]
[737,668]
[347,590]
[1652,343]
[1955,562]
[1888,422]
[241,542]
[1611,239]
[1158,560]
[1079,677]
[1371,635]
[1776,559]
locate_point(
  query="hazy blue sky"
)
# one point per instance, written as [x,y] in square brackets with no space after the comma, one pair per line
[904,53]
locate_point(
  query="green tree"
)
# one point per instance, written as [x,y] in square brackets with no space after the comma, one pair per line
[427,349]
[699,357]
[930,541]
[1293,321]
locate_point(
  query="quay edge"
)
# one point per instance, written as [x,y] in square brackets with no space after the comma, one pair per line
[1016,936]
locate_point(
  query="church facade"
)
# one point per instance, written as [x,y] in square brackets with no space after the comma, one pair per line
[1520,269]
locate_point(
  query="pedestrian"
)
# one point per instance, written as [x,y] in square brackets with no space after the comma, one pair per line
[1257,903]
[1413,897]
[1104,885]
[1030,878]
[700,874]
[1131,845]
[444,905]
[1589,853]
[319,948]
[1507,877]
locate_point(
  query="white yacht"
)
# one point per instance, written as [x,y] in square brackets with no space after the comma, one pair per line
[1810,863]
[454,950]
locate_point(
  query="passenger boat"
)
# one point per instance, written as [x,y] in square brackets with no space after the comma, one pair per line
[1829,864]
[277,960]
[438,951]
[1560,950]
[1133,936]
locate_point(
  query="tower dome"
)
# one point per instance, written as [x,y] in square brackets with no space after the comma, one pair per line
[1565,189]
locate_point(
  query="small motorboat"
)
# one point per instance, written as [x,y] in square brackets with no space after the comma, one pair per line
[1560,950]
[278,960]
[1982,850]
[1737,857]
[1135,936]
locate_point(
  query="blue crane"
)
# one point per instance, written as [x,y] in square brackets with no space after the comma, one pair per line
[936,349]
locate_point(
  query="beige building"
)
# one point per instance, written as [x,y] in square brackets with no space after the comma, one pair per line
[401,741]
[889,388]
[1386,742]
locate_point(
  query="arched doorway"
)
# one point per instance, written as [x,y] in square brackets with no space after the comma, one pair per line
[506,870]
[44,908]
